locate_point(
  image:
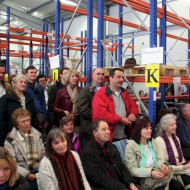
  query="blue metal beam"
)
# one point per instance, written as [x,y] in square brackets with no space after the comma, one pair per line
[62,44]
[8,41]
[153,43]
[31,52]
[57,26]
[100,54]
[120,32]
[90,40]
[163,44]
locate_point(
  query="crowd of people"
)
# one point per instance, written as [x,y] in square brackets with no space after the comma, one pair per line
[60,136]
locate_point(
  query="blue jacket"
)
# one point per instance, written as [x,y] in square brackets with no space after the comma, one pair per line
[183,131]
[37,92]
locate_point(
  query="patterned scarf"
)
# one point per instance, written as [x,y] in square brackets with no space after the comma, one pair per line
[171,156]
[73,93]
[31,151]
[67,172]
[5,186]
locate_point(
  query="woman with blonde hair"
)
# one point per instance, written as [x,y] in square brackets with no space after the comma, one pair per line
[66,98]
[9,177]
[15,98]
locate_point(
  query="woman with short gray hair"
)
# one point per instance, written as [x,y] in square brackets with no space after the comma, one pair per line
[169,147]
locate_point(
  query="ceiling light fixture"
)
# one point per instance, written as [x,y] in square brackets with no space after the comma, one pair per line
[67,2]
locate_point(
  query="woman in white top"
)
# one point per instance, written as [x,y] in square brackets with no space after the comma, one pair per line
[142,158]
[61,168]
[170,150]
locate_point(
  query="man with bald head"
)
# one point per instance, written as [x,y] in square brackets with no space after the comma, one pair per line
[85,104]
[183,130]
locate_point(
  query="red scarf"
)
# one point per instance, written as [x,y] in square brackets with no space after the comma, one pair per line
[67,172]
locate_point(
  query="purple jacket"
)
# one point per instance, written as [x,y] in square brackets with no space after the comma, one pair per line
[75,141]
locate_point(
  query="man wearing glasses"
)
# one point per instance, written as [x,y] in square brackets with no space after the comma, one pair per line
[113,104]
[183,130]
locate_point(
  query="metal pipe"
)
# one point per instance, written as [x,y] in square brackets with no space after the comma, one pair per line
[81,58]
[70,23]
[74,45]
[178,16]
[177,39]
[139,18]
[125,36]
[133,37]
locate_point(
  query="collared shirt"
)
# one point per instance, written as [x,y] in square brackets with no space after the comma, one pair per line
[96,88]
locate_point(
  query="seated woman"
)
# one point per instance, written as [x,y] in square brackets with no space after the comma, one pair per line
[61,168]
[25,145]
[142,159]
[9,177]
[67,126]
[170,149]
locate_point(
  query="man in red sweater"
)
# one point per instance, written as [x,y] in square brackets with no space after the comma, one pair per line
[113,104]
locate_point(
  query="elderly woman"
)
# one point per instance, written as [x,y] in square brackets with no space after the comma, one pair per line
[170,149]
[61,168]
[67,126]
[9,177]
[15,98]
[25,145]
[66,98]
[142,158]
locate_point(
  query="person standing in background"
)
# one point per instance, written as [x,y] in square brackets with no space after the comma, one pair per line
[84,104]
[4,86]
[51,97]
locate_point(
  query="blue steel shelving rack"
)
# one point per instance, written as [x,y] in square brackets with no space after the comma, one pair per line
[89,41]
[153,43]
[8,40]
[100,55]
[120,32]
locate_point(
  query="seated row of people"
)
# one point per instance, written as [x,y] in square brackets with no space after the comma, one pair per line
[150,164]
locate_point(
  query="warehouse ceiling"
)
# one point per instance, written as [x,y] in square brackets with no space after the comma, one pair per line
[32,13]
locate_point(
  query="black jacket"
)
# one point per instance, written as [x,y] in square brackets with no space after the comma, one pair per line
[9,103]
[21,184]
[95,168]
[51,99]
[84,105]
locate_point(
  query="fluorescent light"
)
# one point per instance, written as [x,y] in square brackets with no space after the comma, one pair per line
[67,2]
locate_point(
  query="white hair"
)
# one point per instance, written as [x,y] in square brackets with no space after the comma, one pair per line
[164,123]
